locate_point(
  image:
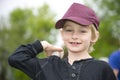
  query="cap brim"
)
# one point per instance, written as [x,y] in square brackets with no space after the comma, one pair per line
[81,21]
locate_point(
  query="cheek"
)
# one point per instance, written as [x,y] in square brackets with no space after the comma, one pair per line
[87,38]
[65,38]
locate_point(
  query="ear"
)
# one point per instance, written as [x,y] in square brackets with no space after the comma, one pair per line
[61,32]
[95,37]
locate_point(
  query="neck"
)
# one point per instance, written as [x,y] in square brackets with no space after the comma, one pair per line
[77,56]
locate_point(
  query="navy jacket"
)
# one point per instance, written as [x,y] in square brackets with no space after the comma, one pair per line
[54,68]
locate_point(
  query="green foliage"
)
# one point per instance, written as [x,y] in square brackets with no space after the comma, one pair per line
[106,43]
[111,11]
[108,11]
[25,27]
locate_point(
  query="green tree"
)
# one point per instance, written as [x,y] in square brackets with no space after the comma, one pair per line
[108,11]
[25,27]
[4,72]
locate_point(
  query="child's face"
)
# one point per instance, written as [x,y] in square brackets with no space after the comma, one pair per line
[76,38]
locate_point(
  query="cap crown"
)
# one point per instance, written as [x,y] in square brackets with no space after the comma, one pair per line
[80,14]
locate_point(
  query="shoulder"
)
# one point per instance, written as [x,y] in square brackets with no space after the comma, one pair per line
[98,66]
[100,63]
[105,69]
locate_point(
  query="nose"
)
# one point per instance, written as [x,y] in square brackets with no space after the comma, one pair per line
[75,36]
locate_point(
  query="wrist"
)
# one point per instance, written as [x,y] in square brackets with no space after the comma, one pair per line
[44,44]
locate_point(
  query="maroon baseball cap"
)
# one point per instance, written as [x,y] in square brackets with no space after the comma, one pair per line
[80,14]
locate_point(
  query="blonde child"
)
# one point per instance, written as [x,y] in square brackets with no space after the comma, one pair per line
[79,30]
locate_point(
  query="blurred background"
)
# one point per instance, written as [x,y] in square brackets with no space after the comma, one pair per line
[24,21]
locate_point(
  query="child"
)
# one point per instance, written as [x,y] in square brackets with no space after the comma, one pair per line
[79,30]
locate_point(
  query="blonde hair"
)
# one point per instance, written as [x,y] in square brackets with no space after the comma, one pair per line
[95,36]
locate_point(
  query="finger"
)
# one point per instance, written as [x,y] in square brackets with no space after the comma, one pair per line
[55,48]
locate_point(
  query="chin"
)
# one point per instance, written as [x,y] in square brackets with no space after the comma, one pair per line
[75,50]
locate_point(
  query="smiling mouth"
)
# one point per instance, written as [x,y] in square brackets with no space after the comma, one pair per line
[75,43]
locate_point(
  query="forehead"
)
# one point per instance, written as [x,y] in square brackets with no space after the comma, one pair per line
[72,24]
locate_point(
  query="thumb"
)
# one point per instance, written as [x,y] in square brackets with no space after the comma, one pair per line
[58,49]
[49,50]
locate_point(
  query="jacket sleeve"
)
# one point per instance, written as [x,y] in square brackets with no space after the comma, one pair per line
[24,58]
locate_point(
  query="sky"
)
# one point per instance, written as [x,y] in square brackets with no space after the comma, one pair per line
[58,6]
